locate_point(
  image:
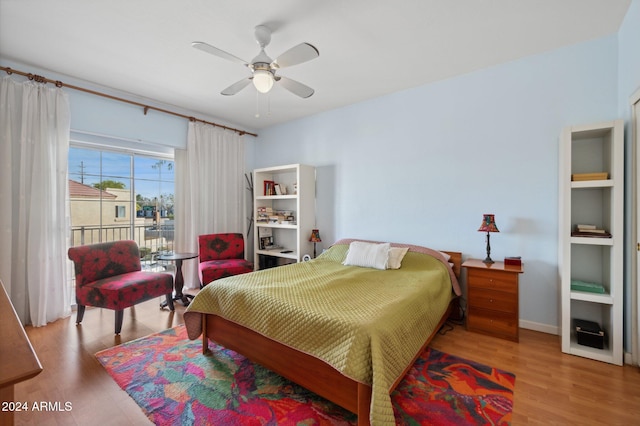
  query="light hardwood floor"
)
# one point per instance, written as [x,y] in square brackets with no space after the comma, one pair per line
[551,387]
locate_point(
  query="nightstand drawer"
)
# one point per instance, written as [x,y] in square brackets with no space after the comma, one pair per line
[491,322]
[493,280]
[492,299]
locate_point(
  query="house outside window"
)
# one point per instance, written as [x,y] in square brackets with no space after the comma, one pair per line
[105,185]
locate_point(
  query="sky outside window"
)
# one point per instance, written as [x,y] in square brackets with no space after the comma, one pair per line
[153,177]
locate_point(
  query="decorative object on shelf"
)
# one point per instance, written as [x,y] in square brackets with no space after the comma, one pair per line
[488,225]
[589,333]
[513,261]
[315,238]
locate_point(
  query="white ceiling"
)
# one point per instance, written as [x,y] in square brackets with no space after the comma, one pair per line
[368,48]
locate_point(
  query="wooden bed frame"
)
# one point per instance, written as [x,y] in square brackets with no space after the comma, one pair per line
[304,369]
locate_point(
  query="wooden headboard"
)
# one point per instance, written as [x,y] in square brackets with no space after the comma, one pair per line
[456,259]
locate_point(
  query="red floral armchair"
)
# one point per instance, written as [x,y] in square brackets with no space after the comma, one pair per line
[109,275]
[222,255]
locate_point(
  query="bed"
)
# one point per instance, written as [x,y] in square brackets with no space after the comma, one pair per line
[348,333]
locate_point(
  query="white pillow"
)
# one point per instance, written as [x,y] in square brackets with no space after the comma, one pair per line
[368,255]
[396,254]
[446,256]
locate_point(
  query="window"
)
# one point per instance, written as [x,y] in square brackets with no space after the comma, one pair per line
[105,185]
[121,212]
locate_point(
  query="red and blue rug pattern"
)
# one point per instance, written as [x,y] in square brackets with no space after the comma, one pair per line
[175,384]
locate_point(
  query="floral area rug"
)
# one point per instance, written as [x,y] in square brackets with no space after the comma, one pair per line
[175,384]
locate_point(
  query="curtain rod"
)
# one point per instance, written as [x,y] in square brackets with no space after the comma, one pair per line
[58,83]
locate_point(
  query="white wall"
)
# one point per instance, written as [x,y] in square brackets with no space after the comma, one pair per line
[423,165]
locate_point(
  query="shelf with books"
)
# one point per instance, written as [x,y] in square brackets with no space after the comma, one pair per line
[590,235]
[284,203]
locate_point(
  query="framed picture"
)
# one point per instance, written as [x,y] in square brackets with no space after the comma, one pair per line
[266,242]
[278,189]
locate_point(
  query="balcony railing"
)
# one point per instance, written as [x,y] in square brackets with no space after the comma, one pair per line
[151,239]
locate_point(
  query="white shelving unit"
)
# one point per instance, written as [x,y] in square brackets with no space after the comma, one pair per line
[592,149]
[292,238]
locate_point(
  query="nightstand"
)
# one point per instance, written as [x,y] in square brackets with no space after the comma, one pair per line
[492,298]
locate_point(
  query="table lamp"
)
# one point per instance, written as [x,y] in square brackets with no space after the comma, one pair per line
[315,238]
[488,225]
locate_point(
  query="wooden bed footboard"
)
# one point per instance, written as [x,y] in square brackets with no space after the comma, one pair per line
[302,368]
[299,367]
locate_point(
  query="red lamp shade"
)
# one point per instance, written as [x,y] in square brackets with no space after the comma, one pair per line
[315,236]
[488,223]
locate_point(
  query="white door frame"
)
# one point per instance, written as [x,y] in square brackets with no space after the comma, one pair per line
[635,291]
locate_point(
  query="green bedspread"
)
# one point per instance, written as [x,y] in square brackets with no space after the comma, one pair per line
[366,323]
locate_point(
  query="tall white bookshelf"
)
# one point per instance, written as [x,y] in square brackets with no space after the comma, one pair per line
[587,149]
[297,195]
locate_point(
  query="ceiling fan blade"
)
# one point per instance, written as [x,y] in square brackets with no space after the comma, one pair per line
[236,87]
[217,52]
[296,55]
[295,87]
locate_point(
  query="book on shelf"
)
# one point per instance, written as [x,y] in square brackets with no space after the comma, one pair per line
[264,232]
[585,227]
[269,187]
[589,176]
[590,287]
[590,231]
[263,214]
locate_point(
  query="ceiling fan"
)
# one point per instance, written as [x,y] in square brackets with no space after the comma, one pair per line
[263,69]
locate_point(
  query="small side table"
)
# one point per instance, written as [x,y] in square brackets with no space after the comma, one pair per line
[492,298]
[178,284]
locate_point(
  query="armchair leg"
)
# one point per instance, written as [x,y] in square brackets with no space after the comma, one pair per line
[79,313]
[170,302]
[119,318]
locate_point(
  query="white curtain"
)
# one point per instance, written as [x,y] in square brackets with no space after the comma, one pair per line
[34,149]
[210,189]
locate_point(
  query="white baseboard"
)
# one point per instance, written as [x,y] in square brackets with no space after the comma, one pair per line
[628,358]
[536,326]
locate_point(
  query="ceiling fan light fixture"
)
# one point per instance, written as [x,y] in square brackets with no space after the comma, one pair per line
[263,80]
